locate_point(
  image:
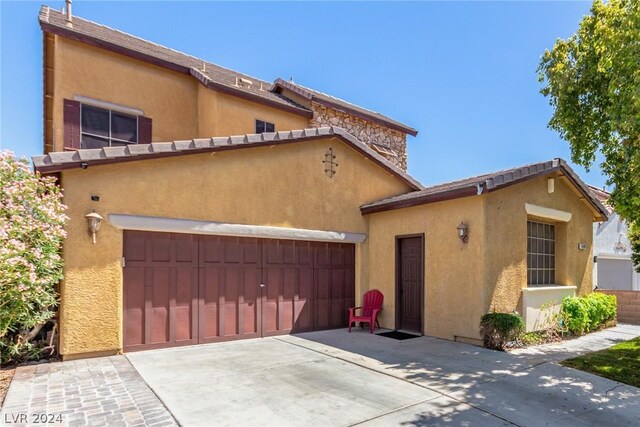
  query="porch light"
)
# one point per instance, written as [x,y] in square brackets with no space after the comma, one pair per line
[462,232]
[93,221]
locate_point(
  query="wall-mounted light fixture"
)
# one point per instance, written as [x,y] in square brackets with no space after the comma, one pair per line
[93,221]
[463,232]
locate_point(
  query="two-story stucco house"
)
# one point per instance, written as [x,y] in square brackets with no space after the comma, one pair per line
[236,208]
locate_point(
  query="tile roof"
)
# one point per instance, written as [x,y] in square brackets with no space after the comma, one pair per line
[484,183]
[210,74]
[602,195]
[58,161]
[340,104]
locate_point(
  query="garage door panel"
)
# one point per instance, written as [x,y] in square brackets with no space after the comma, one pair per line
[186,248]
[271,302]
[322,256]
[161,247]
[182,289]
[183,309]
[134,306]
[303,306]
[233,249]
[135,246]
[160,298]
[337,299]
[209,303]
[210,250]
[322,299]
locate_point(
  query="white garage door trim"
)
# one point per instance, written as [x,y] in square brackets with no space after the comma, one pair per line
[173,225]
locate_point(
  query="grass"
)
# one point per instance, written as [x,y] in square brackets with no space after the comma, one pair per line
[619,363]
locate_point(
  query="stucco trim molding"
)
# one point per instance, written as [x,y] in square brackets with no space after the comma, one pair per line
[108,105]
[538,289]
[174,225]
[548,213]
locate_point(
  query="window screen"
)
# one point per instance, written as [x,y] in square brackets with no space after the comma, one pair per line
[541,253]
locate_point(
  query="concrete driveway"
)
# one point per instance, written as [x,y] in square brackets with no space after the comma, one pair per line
[336,378]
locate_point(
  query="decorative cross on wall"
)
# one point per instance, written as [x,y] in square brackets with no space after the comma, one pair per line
[329,162]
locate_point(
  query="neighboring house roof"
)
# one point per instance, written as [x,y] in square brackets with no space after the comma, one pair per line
[483,184]
[209,74]
[58,161]
[340,104]
[602,195]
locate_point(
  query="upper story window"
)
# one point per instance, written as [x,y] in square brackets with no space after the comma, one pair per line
[262,126]
[541,253]
[91,123]
[101,127]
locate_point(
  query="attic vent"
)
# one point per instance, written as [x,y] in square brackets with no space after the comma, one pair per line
[241,81]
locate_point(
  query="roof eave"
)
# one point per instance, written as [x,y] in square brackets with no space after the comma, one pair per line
[131,53]
[559,165]
[333,132]
[421,200]
[281,84]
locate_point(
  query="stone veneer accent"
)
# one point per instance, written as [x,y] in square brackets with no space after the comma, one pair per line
[366,131]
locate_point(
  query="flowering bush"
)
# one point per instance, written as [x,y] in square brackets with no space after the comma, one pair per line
[31,234]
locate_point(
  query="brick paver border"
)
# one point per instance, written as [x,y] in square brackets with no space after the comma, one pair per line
[97,392]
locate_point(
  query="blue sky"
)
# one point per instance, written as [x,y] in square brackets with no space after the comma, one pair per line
[462,73]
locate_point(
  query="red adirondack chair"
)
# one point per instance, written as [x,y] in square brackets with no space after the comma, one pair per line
[371,306]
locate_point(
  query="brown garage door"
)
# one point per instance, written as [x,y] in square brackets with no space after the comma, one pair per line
[182,289]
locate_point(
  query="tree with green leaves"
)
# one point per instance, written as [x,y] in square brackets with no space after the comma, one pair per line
[592,80]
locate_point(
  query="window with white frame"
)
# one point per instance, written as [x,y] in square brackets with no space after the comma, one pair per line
[541,253]
[100,127]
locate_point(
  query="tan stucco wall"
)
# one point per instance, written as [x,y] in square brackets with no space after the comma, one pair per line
[453,270]
[168,97]
[462,282]
[222,115]
[278,186]
[506,240]
[181,107]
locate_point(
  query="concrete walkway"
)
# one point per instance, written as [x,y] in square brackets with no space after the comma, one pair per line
[336,378]
[329,378]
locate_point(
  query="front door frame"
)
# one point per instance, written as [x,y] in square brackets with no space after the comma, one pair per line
[398,303]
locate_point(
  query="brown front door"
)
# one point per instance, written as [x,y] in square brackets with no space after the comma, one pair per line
[182,289]
[410,283]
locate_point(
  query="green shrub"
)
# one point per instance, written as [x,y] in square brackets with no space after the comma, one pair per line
[602,309]
[498,329]
[588,313]
[575,316]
